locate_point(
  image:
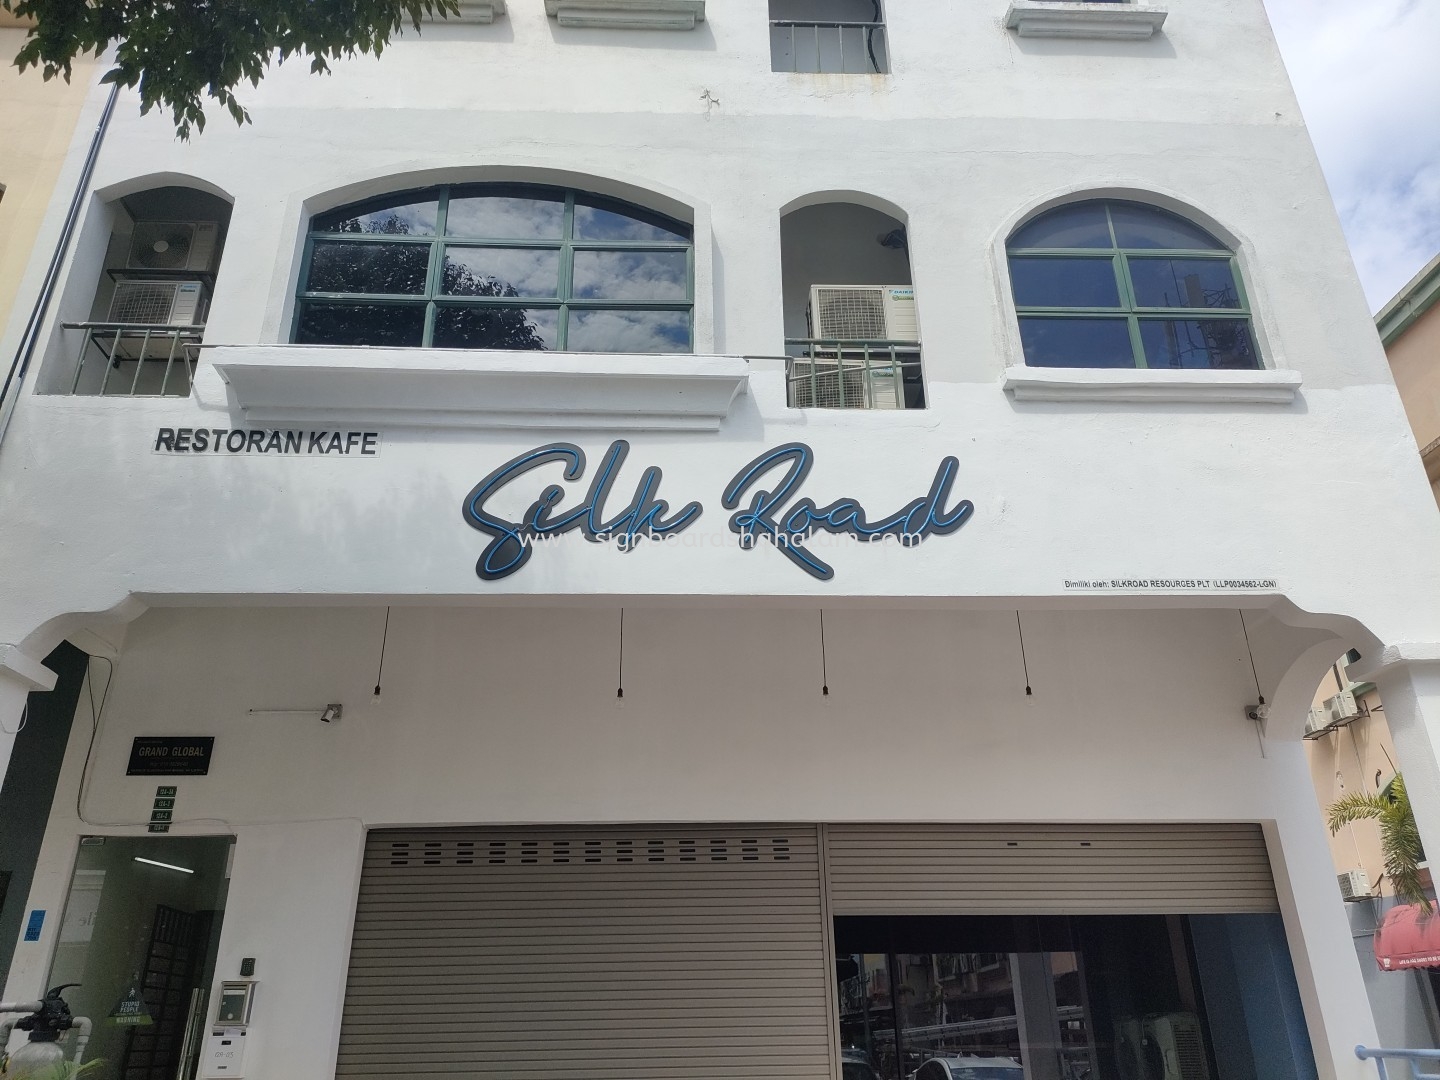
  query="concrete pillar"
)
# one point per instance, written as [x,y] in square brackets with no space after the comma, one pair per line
[1331,989]
[1035,1012]
[1410,689]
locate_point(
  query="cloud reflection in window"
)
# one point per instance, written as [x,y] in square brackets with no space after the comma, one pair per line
[502,272]
[630,331]
[630,275]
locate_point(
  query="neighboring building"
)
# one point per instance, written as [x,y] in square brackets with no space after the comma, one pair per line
[1350,748]
[379,768]
[1410,331]
[37,125]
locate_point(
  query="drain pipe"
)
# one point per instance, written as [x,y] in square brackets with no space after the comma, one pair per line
[20,365]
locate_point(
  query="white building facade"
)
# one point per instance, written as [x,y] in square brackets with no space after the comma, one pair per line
[564,684]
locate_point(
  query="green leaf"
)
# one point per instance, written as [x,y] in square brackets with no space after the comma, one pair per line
[181,55]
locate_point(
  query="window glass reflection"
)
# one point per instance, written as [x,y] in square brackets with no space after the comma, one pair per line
[476,326]
[502,272]
[1079,225]
[631,275]
[1068,997]
[598,221]
[629,331]
[577,271]
[324,323]
[1155,276]
[1049,282]
[500,217]
[1184,283]
[410,218]
[348,267]
[1138,226]
[1065,342]
[1198,343]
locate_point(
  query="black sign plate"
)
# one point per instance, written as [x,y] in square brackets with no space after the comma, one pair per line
[185,755]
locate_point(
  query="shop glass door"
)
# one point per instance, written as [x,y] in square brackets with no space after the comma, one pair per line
[138,934]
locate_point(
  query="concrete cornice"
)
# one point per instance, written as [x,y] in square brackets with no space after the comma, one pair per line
[1115,21]
[289,384]
[1416,298]
[1394,658]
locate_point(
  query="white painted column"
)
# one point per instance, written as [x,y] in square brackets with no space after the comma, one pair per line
[291,906]
[1332,992]
[1410,690]
[19,675]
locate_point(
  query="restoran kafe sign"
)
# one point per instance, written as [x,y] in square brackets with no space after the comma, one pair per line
[765,496]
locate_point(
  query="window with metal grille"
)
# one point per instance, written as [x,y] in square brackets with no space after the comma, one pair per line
[828,37]
[1106,283]
[498,266]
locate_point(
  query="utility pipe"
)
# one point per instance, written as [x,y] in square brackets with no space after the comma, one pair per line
[82,1036]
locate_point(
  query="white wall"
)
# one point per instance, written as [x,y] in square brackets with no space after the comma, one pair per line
[975,128]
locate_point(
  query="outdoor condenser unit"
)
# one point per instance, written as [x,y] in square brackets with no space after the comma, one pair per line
[863,313]
[1178,1043]
[173,245]
[1354,885]
[840,373]
[158,303]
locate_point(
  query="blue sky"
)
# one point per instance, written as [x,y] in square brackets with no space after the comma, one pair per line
[1368,78]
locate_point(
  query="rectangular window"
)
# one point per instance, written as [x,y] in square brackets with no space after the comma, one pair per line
[828,37]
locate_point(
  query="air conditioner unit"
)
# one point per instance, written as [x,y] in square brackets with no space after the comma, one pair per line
[863,313]
[1177,1043]
[173,245]
[1354,885]
[1317,722]
[1341,707]
[845,382]
[158,303]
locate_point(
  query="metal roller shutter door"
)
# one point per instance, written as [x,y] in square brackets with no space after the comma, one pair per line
[614,954]
[1048,869]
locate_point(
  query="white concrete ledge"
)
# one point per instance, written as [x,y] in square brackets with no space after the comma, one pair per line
[471,11]
[287,384]
[628,14]
[1264,387]
[28,670]
[1122,21]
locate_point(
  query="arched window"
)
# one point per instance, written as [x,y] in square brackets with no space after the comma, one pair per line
[1120,284]
[498,267]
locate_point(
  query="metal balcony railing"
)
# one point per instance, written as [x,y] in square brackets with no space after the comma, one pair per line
[841,373]
[828,48]
[1412,1058]
[134,359]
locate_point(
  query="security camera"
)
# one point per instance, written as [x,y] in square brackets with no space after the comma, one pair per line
[1259,713]
[332,713]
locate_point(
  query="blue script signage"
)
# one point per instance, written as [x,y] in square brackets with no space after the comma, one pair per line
[770,515]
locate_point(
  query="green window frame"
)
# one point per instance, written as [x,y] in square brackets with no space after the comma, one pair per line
[1218,321]
[564,303]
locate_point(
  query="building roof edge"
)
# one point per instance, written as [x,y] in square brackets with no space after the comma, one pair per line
[1416,298]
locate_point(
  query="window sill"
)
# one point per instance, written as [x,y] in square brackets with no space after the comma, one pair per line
[287,384]
[1265,387]
[1116,21]
[471,11]
[628,14]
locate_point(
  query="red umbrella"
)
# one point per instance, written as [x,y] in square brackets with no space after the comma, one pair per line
[1408,937]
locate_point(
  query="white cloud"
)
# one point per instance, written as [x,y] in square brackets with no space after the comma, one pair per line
[1368,79]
